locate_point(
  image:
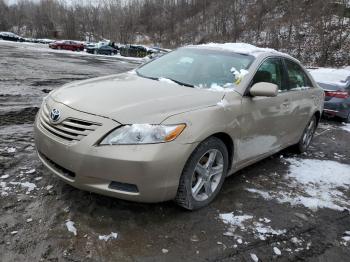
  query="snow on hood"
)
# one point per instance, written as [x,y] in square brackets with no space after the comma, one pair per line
[241,48]
[128,98]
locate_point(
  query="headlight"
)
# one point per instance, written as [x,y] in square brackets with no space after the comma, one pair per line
[143,134]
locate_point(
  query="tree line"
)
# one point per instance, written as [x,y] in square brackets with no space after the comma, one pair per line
[315,31]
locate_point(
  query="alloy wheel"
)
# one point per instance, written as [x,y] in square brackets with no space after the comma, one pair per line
[308,134]
[207,174]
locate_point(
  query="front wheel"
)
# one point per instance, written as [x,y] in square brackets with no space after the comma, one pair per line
[203,174]
[307,136]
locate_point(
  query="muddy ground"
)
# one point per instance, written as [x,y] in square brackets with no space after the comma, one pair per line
[33,219]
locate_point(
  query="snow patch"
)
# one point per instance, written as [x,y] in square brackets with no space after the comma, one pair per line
[314,184]
[214,87]
[234,221]
[254,257]
[277,251]
[223,103]
[108,237]
[166,80]
[300,88]
[346,127]
[239,75]
[339,77]
[260,230]
[71,228]
[30,186]
[242,48]
[346,238]
[263,232]
[10,149]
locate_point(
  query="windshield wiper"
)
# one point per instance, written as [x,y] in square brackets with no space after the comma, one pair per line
[149,77]
[157,78]
[180,83]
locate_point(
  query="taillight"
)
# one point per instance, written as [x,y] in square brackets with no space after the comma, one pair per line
[337,94]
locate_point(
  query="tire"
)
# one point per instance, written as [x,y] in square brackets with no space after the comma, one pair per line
[347,120]
[112,53]
[197,189]
[95,52]
[307,136]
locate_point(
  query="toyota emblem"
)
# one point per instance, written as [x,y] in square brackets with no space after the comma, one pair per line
[55,115]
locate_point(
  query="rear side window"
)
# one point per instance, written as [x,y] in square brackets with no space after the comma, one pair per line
[270,71]
[297,78]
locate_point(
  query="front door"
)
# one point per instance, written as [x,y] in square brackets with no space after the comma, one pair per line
[265,118]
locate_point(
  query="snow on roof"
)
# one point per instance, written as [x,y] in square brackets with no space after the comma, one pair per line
[331,76]
[242,48]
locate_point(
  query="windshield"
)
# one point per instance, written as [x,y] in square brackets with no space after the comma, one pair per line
[199,67]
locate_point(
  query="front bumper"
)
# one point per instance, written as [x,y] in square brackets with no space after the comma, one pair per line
[154,169]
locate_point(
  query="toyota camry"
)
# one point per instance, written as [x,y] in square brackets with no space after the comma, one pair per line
[177,126]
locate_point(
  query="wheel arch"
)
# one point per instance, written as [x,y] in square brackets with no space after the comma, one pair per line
[228,141]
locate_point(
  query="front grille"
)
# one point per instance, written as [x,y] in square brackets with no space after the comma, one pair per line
[70,129]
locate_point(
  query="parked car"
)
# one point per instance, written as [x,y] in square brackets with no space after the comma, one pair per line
[102,50]
[180,124]
[89,45]
[134,51]
[157,52]
[11,37]
[45,41]
[67,45]
[336,85]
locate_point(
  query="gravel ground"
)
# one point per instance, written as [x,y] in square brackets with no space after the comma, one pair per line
[267,211]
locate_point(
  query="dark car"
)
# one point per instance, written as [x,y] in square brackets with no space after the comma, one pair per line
[135,51]
[336,85]
[157,52]
[11,37]
[67,45]
[102,50]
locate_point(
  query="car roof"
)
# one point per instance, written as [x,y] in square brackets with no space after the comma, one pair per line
[242,48]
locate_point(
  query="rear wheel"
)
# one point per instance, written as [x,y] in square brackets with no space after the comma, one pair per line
[347,120]
[307,136]
[203,175]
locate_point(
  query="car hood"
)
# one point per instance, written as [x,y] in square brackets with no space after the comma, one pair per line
[128,98]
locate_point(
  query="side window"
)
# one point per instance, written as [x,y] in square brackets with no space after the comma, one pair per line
[297,78]
[270,71]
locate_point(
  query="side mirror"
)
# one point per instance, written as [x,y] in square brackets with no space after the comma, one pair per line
[264,89]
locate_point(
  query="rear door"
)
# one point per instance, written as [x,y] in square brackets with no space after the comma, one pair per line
[265,119]
[302,99]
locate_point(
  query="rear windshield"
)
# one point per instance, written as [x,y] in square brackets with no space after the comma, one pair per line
[199,67]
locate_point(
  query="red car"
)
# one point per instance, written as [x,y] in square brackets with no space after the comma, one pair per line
[67,45]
